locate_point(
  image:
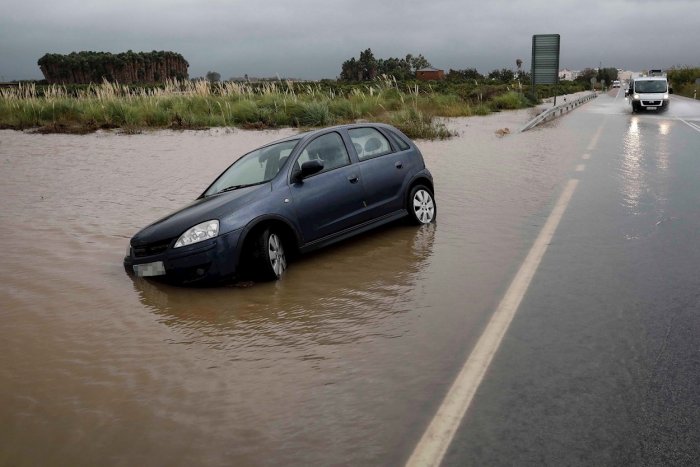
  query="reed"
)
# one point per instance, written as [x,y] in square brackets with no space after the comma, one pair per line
[509,101]
[185,104]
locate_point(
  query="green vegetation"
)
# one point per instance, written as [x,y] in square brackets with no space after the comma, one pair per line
[682,80]
[158,95]
[603,74]
[127,67]
[150,90]
[413,107]
[367,68]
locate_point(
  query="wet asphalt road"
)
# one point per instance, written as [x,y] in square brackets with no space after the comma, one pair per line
[601,365]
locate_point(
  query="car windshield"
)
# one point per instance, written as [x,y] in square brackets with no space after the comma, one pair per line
[259,166]
[650,86]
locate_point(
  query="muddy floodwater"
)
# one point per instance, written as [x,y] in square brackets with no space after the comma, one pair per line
[340,363]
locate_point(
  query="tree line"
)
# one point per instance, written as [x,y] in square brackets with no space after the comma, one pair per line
[367,68]
[126,67]
[601,74]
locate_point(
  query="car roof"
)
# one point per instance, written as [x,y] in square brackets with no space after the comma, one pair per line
[310,134]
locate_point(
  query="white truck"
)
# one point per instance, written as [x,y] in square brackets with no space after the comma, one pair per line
[648,93]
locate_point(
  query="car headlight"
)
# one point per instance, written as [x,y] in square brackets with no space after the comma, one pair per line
[666,96]
[198,233]
[636,97]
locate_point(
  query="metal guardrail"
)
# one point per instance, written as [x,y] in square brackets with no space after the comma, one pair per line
[558,111]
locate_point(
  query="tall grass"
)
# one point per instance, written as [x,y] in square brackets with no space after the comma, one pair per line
[199,104]
[682,80]
[509,101]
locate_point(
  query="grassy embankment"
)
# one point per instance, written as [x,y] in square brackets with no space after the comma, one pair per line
[194,105]
[683,80]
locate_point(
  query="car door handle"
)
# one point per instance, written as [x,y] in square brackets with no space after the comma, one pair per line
[353,178]
[399,165]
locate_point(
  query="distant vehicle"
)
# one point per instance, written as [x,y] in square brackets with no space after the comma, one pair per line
[290,196]
[656,73]
[649,93]
[616,83]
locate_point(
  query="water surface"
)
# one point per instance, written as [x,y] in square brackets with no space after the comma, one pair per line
[341,362]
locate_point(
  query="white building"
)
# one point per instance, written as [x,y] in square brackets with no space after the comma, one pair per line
[568,75]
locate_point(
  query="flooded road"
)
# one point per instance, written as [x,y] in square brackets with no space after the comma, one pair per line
[341,362]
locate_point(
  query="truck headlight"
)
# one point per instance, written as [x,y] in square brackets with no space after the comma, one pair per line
[666,96]
[636,97]
[198,233]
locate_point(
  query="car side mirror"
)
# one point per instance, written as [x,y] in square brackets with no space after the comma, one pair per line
[670,90]
[308,168]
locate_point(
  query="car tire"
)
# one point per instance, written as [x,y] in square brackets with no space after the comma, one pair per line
[269,259]
[422,208]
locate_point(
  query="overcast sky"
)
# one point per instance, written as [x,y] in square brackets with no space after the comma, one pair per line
[311,38]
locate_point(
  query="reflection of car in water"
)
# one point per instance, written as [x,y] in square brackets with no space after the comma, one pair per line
[292,196]
[398,256]
[649,93]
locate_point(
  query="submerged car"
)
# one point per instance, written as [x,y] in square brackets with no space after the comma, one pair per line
[288,197]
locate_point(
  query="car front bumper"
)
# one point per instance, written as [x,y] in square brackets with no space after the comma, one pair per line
[206,261]
[653,104]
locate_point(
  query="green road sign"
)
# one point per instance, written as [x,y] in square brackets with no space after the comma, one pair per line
[545,59]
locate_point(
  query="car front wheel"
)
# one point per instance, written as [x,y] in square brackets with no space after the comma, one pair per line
[421,205]
[269,259]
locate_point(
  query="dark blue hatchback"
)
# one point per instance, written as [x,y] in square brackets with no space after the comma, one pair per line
[289,197]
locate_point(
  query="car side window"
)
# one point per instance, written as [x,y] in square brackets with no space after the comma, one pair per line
[369,143]
[329,149]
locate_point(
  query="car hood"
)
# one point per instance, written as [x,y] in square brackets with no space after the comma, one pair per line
[201,210]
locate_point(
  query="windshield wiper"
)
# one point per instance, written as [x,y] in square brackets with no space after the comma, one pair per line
[236,187]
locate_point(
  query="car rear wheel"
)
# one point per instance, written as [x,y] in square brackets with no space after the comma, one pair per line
[269,258]
[421,205]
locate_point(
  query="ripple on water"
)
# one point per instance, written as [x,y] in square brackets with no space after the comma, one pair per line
[97,365]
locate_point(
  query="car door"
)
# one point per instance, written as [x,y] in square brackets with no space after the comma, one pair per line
[331,200]
[384,170]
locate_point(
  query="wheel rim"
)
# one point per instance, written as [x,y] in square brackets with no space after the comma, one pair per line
[276,254]
[423,206]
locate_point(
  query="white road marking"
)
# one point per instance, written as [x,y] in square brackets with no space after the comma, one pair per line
[594,140]
[580,168]
[432,447]
[586,156]
[692,125]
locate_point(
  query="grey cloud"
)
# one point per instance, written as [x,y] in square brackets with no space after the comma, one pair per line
[311,38]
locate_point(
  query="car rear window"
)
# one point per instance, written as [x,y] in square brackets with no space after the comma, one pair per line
[400,142]
[369,143]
